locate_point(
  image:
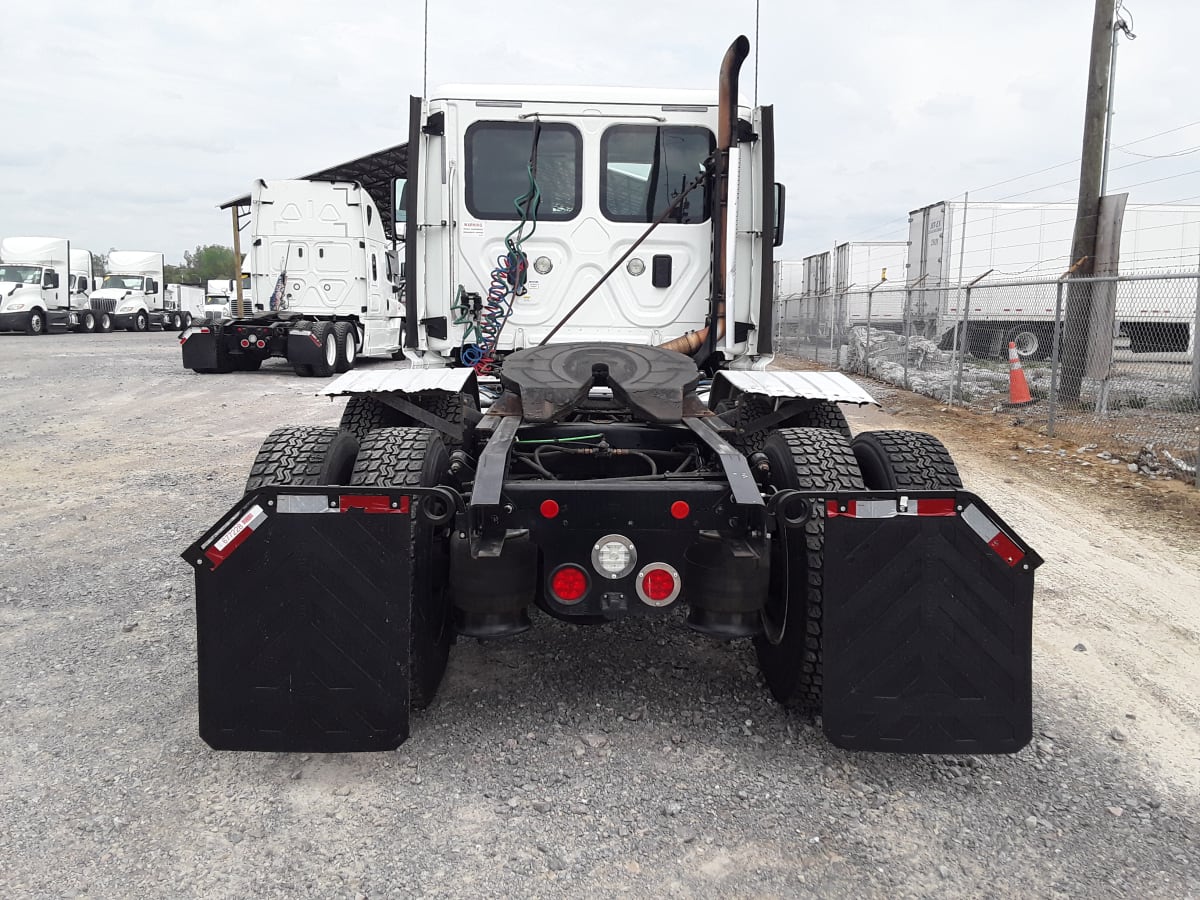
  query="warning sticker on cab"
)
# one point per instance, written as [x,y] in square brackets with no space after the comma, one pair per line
[233,537]
[471,227]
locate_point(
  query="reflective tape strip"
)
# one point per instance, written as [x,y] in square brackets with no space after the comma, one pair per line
[236,535]
[303,503]
[888,509]
[372,503]
[993,535]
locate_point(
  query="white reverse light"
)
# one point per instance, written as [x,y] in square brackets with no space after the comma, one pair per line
[614,556]
[635,267]
[542,265]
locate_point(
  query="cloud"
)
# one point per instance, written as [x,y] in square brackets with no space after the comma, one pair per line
[154,114]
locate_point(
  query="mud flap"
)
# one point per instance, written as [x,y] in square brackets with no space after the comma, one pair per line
[200,351]
[927,628]
[302,615]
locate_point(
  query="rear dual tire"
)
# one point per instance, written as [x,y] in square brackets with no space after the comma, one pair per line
[790,646]
[305,455]
[790,649]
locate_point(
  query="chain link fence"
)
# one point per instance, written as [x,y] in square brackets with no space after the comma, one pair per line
[1108,361]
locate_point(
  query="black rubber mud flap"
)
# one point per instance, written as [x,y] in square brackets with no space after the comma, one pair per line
[303,623]
[927,625]
[200,352]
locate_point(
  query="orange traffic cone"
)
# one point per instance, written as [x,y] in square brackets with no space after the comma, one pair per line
[1018,387]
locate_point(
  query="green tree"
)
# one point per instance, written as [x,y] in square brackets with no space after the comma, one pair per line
[211,261]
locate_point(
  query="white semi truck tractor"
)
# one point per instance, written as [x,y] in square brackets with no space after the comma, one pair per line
[324,281]
[132,291]
[607,253]
[44,286]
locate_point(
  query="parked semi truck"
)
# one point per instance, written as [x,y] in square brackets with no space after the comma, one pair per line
[325,284]
[45,286]
[181,304]
[132,294]
[632,457]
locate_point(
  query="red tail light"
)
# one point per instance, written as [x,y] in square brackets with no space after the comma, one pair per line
[568,584]
[245,343]
[261,344]
[658,584]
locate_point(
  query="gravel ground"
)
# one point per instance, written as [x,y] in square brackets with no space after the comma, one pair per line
[635,758]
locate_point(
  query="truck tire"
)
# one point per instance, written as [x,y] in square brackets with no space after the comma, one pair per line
[825,414]
[904,460]
[36,323]
[346,336]
[141,322]
[104,325]
[417,457]
[87,323]
[789,649]
[303,455]
[324,332]
[364,414]
[187,321]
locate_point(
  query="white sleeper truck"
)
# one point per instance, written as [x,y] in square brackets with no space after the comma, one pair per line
[324,282]
[131,294]
[44,286]
[605,256]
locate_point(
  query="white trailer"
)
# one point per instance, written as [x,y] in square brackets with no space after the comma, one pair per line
[324,285]
[44,286]
[832,286]
[951,243]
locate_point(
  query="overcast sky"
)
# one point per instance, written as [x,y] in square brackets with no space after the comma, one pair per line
[125,124]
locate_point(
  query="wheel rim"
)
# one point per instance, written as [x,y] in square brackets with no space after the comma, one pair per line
[105,322]
[141,322]
[1027,343]
[35,323]
[351,347]
[331,349]
[89,322]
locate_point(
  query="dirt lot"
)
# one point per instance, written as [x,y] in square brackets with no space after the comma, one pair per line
[631,759]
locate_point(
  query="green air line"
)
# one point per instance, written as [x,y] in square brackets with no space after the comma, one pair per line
[582,437]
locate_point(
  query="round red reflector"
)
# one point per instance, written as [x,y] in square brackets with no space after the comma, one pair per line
[245,343]
[658,585]
[569,584]
[261,344]
[680,509]
[549,509]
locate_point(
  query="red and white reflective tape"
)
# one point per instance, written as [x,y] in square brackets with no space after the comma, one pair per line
[993,535]
[308,504]
[887,509]
[235,535]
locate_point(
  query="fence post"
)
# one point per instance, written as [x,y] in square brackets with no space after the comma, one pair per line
[1054,346]
[966,317]
[870,298]
[962,346]
[907,304]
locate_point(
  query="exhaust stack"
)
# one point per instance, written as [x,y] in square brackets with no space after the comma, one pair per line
[731,67]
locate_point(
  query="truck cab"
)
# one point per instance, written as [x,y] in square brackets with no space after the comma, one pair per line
[43,284]
[576,176]
[132,290]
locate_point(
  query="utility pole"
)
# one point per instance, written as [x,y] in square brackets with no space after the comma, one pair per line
[1087,214]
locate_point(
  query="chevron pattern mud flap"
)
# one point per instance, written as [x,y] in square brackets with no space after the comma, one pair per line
[302,615]
[927,629]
